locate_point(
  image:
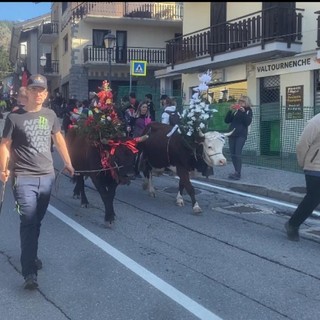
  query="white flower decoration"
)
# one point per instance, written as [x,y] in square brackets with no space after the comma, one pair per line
[197,115]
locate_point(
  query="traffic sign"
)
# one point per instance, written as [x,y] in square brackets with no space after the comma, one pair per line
[139,68]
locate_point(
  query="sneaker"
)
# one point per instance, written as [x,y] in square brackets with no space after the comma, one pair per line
[38,263]
[31,282]
[292,232]
[234,176]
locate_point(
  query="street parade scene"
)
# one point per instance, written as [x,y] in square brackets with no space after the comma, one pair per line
[159,160]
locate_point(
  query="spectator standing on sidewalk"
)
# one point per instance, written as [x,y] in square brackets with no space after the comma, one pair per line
[168,107]
[26,143]
[308,157]
[240,117]
[133,101]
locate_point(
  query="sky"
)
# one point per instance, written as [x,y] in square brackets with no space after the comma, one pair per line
[20,11]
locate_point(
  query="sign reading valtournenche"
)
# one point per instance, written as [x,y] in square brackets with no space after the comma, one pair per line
[287,66]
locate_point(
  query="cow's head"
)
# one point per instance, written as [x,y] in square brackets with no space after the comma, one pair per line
[213,143]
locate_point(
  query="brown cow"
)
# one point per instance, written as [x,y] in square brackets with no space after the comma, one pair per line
[160,151]
[108,165]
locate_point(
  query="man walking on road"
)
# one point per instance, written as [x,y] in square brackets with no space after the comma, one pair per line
[308,156]
[26,142]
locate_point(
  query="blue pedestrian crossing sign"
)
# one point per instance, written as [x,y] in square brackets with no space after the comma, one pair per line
[139,68]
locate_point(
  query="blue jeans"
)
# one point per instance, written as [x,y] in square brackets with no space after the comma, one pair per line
[32,196]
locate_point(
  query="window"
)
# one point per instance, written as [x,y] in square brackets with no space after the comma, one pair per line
[121,46]
[64,7]
[98,37]
[65,44]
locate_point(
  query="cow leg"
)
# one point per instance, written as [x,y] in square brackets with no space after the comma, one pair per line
[107,194]
[185,183]
[148,183]
[80,191]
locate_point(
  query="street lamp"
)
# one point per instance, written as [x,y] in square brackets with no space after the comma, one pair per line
[109,43]
[43,61]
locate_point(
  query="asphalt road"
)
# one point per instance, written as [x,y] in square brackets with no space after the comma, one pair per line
[161,261]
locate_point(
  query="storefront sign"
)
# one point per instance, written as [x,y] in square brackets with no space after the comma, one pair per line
[302,63]
[294,102]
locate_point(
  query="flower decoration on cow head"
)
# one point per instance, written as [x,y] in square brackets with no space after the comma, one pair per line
[197,114]
[102,122]
[105,96]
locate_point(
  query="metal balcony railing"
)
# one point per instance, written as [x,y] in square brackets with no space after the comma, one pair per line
[148,10]
[156,56]
[50,28]
[258,28]
[152,10]
[51,67]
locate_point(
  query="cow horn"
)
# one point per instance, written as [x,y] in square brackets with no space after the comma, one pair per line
[201,134]
[229,133]
[141,139]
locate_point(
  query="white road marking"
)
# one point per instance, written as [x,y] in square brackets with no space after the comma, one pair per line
[281,203]
[174,294]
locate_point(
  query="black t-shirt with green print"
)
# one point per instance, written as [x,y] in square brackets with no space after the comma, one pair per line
[30,133]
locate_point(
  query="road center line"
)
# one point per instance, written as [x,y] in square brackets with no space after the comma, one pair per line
[174,294]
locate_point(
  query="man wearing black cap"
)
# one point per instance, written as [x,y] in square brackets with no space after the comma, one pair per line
[26,143]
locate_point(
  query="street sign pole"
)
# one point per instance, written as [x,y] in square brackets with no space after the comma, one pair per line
[130,88]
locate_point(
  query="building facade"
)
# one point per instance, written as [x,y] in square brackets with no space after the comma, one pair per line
[269,49]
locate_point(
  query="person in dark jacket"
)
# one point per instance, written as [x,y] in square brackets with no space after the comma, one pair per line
[240,117]
[148,98]
[141,120]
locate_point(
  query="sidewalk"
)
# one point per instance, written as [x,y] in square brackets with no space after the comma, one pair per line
[277,184]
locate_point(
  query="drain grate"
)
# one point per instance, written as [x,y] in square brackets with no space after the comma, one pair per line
[246,209]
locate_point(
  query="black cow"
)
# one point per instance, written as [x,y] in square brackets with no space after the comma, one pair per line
[161,151]
[108,165]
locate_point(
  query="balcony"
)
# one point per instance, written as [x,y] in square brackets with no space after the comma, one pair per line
[96,55]
[150,11]
[275,32]
[48,32]
[51,68]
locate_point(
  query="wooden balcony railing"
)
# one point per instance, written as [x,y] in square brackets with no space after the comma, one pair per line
[258,28]
[156,56]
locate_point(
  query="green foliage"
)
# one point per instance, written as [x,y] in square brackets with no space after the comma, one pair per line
[5,38]
[100,125]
